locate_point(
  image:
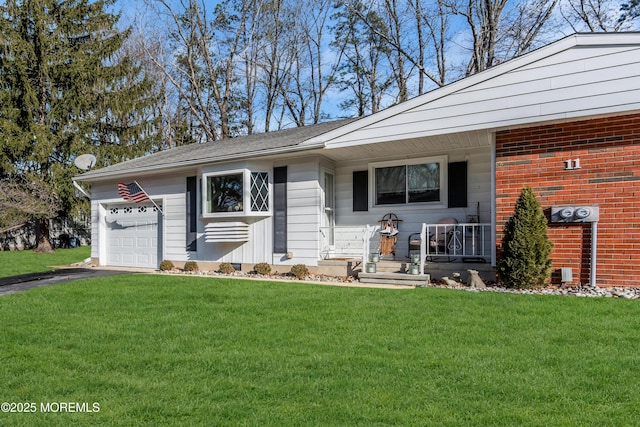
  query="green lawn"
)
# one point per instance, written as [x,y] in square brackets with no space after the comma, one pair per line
[166,350]
[21,262]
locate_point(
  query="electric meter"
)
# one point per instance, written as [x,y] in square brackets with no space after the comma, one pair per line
[574,214]
[582,212]
[566,213]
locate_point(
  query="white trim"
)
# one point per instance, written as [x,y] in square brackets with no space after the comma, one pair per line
[444,185]
[324,170]
[102,233]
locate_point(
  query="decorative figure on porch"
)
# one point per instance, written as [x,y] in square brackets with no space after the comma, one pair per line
[388,234]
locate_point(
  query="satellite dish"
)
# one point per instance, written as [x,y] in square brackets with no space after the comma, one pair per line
[85,161]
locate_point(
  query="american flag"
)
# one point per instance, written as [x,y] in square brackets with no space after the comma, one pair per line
[132,192]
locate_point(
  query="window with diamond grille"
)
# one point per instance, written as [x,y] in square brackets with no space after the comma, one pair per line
[259,192]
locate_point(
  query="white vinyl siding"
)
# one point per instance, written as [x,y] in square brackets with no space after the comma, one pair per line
[303,207]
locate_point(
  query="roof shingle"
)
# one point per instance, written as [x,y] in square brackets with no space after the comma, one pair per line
[211,152]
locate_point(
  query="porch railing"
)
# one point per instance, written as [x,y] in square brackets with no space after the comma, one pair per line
[342,241]
[453,242]
[458,240]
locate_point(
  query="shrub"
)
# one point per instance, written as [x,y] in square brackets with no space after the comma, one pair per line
[166,265]
[299,270]
[226,268]
[262,268]
[191,266]
[525,260]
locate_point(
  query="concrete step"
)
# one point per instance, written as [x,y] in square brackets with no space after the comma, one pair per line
[401,279]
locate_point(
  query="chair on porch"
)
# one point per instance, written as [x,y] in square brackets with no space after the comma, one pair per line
[445,241]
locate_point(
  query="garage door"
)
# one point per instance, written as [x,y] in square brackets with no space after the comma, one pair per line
[133,232]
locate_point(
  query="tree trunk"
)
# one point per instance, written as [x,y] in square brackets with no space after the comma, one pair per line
[42,235]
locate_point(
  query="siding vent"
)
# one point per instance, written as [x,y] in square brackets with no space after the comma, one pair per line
[218,232]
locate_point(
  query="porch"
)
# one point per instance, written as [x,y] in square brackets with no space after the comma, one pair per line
[438,250]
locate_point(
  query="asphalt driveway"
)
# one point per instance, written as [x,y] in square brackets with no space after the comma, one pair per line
[23,282]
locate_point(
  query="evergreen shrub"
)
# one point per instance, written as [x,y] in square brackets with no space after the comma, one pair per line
[166,265]
[226,268]
[191,266]
[299,271]
[526,249]
[262,268]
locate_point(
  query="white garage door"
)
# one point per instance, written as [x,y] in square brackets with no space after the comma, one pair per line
[133,232]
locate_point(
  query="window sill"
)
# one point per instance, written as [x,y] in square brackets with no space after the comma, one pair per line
[409,206]
[222,215]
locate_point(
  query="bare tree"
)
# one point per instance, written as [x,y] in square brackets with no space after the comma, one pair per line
[174,129]
[275,34]
[310,71]
[396,35]
[432,43]
[501,29]
[24,199]
[207,47]
[527,26]
[597,16]
[363,72]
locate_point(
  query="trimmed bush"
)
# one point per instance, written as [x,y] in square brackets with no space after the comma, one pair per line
[191,266]
[166,265]
[226,268]
[526,249]
[299,271]
[262,268]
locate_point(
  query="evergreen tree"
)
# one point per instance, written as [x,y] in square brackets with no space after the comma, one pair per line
[67,90]
[525,260]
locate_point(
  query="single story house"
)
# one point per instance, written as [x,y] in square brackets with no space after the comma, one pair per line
[563,119]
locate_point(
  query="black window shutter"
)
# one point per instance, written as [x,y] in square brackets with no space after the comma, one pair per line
[280,209]
[457,184]
[192,213]
[360,191]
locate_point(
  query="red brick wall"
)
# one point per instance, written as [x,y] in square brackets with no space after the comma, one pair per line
[609,153]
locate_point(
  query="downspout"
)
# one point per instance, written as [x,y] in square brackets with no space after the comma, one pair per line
[492,136]
[594,248]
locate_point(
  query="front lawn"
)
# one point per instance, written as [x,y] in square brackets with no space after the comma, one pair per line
[22,262]
[167,350]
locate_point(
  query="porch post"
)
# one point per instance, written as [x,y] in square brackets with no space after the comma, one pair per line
[423,246]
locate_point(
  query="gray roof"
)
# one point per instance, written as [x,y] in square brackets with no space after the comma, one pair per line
[228,149]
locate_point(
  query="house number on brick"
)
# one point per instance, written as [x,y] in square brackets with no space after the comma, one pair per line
[571,164]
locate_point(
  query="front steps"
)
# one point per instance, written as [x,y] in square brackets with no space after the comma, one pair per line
[388,278]
[394,271]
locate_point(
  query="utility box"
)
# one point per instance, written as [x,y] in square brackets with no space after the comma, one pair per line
[575,214]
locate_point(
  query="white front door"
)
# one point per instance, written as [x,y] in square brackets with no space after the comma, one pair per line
[133,232]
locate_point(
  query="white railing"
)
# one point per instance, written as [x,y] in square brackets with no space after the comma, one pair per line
[342,241]
[458,240]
